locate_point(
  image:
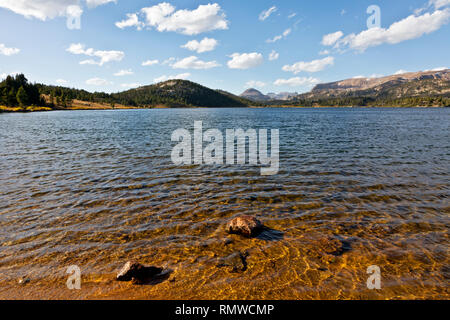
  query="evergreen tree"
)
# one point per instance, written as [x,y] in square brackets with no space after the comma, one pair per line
[22,97]
[11,100]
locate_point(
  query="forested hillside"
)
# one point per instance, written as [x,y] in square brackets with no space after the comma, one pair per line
[18,92]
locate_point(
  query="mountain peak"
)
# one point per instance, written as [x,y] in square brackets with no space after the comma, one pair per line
[254,95]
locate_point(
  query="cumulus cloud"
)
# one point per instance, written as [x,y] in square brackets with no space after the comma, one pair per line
[149,63]
[255,84]
[412,27]
[131,21]
[61,81]
[279,37]
[245,60]
[130,85]
[205,45]
[4,50]
[400,72]
[274,55]
[267,13]
[96,3]
[438,69]
[436,4]
[194,62]
[105,56]
[12,74]
[296,82]
[49,9]
[98,82]
[122,73]
[312,66]
[324,53]
[440,3]
[39,9]
[332,38]
[182,76]
[164,17]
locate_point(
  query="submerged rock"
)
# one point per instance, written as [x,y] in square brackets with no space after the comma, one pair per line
[333,246]
[247,226]
[236,262]
[136,272]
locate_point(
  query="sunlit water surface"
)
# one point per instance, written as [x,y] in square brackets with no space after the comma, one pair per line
[356,187]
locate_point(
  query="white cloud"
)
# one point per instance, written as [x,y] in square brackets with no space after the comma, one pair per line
[96,3]
[412,27]
[130,85]
[150,63]
[372,76]
[182,76]
[105,56]
[74,11]
[205,45]
[400,72]
[332,38]
[324,52]
[296,82]
[164,17]
[131,21]
[98,82]
[8,51]
[255,84]
[12,74]
[279,37]
[169,61]
[438,69]
[194,62]
[439,3]
[266,13]
[274,55]
[62,81]
[313,66]
[343,12]
[245,60]
[39,9]
[292,15]
[89,61]
[49,9]
[124,73]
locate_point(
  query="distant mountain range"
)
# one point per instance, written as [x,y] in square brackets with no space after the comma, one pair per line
[255,95]
[396,86]
[429,88]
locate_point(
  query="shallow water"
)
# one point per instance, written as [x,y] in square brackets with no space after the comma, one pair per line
[356,187]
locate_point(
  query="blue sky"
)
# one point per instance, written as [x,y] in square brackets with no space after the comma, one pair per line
[274,46]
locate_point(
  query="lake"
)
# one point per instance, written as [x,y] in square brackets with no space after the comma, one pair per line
[356,188]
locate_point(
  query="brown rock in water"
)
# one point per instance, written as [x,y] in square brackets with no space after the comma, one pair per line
[237,262]
[333,246]
[137,272]
[245,225]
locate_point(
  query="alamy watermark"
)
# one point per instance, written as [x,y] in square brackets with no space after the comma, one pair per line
[74,280]
[73,14]
[374,21]
[374,281]
[190,150]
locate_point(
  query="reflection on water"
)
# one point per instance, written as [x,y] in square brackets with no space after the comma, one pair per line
[357,187]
